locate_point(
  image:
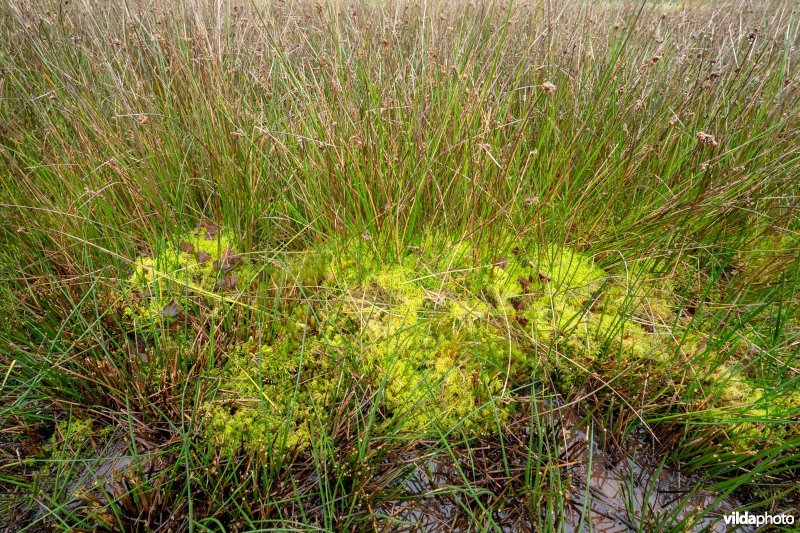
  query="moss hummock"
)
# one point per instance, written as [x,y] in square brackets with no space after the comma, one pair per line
[442,339]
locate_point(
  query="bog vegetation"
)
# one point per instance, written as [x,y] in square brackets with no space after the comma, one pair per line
[366,265]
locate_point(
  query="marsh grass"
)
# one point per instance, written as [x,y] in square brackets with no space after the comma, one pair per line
[658,139]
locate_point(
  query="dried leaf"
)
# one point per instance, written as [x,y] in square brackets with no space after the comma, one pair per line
[171,310]
[137,347]
[187,247]
[202,257]
[211,230]
[227,261]
[228,282]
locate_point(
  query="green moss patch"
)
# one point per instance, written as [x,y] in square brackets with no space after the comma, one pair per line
[272,395]
[203,264]
[443,338]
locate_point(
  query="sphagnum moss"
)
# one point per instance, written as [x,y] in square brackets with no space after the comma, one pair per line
[447,347]
[200,264]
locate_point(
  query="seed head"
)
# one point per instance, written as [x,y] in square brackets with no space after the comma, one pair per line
[705,138]
[548,87]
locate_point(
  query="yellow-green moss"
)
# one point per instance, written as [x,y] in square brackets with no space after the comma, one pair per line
[443,333]
[439,361]
[74,432]
[74,439]
[751,420]
[577,314]
[204,263]
[438,332]
[271,395]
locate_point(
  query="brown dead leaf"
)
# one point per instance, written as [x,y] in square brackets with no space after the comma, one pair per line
[171,310]
[211,230]
[227,261]
[228,282]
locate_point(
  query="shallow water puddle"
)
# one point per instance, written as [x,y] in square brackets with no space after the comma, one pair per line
[633,492]
[604,493]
